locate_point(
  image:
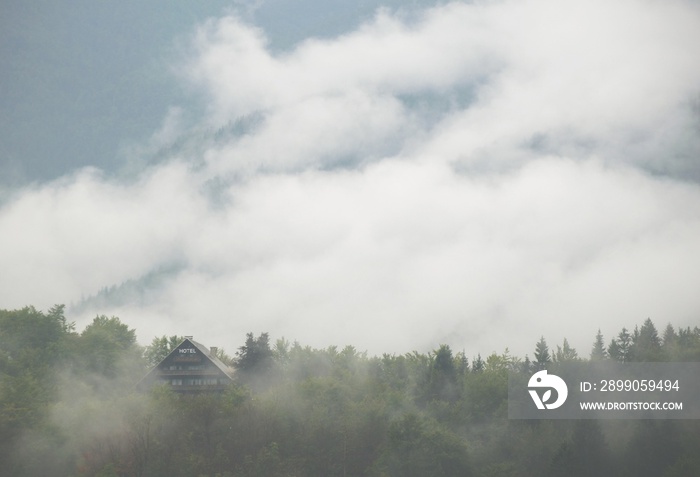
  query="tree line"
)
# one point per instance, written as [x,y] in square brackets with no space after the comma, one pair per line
[69,407]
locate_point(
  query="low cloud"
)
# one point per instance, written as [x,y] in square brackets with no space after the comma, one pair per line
[476,174]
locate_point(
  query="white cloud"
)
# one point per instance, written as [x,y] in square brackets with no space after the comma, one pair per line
[477,175]
[318,131]
[79,234]
[576,75]
[242,76]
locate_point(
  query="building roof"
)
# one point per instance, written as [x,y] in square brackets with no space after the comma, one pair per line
[206,352]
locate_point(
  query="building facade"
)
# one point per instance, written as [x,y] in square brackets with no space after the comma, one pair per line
[190,368]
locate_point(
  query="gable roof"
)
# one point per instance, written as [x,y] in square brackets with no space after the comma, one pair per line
[206,352]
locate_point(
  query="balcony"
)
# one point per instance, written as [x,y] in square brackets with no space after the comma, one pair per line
[199,388]
[190,372]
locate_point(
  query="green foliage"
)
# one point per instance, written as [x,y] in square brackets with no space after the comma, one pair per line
[255,357]
[223,357]
[542,356]
[160,348]
[598,352]
[29,339]
[687,346]
[417,447]
[646,345]
[478,365]
[110,330]
[266,463]
[31,344]
[442,376]
[565,353]
[620,347]
[653,447]
[104,342]
[583,454]
[486,392]
[70,399]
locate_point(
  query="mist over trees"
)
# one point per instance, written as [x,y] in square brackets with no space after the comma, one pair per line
[69,407]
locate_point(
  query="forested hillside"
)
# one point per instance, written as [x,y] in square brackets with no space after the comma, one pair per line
[69,407]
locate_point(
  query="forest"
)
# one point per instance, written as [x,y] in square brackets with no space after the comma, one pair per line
[69,407]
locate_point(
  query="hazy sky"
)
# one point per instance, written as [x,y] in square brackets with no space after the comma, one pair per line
[477,174]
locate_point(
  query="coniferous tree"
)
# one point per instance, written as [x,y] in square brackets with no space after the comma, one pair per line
[462,363]
[669,344]
[598,352]
[584,455]
[57,313]
[619,349]
[565,353]
[647,344]
[688,344]
[526,365]
[443,375]
[255,358]
[331,412]
[417,448]
[542,356]
[478,364]
[614,350]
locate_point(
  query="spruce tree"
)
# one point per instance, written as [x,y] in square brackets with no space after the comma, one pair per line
[614,351]
[477,364]
[255,357]
[565,353]
[620,348]
[542,356]
[598,352]
[526,365]
[647,344]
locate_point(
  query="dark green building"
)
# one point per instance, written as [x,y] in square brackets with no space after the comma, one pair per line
[190,368]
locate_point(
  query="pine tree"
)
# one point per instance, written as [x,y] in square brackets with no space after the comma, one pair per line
[478,364]
[598,352]
[255,357]
[542,356]
[688,344]
[443,375]
[565,353]
[647,344]
[614,351]
[620,348]
[670,342]
[462,363]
